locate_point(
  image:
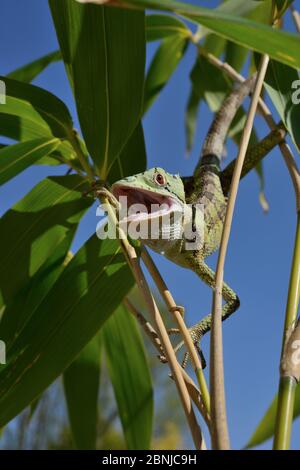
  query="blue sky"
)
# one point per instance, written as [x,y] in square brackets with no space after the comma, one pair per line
[260,249]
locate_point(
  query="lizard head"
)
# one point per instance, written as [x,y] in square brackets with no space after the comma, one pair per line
[159,192]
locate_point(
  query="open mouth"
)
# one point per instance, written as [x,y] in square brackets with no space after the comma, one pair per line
[147,203]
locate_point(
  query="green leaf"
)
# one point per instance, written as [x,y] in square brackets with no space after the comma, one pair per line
[81,386]
[16,158]
[163,26]
[164,63]
[282,6]
[235,55]
[32,112]
[260,12]
[191,114]
[130,376]
[133,158]
[265,428]
[282,83]
[99,45]
[30,71]
[85,295]
[215,45]
[279,45]
[28,299]
[32,230]
[210,84]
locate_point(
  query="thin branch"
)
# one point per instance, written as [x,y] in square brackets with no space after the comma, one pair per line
[153,336]
[154,313]
[253,156]
[172,307]
[266,113]
[220,436]
[296,17]
[217,133]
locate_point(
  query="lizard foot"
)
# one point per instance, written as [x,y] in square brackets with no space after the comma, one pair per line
[196,337]
[104,192]
[178,308]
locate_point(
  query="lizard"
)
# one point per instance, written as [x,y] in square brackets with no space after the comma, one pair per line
[166,192]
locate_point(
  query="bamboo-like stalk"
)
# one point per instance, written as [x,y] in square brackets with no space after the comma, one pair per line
[220,435]
[154,313]
[287,385]
[153,336]
[171,305]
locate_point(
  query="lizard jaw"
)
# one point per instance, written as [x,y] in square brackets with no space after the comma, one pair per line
[155,205]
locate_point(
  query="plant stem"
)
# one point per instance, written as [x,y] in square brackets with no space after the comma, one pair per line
[153,336]
[171,304]
[296,17]
[267,115]
[154,313]
[287,385]
[220,436]
[284,416]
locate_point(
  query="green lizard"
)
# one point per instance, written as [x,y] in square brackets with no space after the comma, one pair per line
[156,186]
[167,193]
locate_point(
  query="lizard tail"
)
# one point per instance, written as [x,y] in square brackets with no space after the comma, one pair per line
[214,143]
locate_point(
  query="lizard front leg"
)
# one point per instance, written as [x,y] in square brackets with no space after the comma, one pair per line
[230,297]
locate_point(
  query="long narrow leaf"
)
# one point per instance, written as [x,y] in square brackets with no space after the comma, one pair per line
[130,376]
[34,112]
[279,45]
[16,158]
[133,158]
[30,71]
[163,26]
[81,386]
[35,226]
[165,61]
[88,291]
[282,84]
[26,301]
[100,45]
[265,428]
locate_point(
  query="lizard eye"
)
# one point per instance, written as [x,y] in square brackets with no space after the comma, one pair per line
[159,179]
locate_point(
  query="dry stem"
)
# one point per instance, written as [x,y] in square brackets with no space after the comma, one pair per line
[171,305]
[153,336]
[220,436]
[138,274]
[266,113]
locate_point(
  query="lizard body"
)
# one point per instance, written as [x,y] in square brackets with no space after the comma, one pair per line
[145,189]
[204,207]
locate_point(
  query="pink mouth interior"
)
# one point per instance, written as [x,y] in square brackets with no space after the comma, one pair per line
[147,198]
